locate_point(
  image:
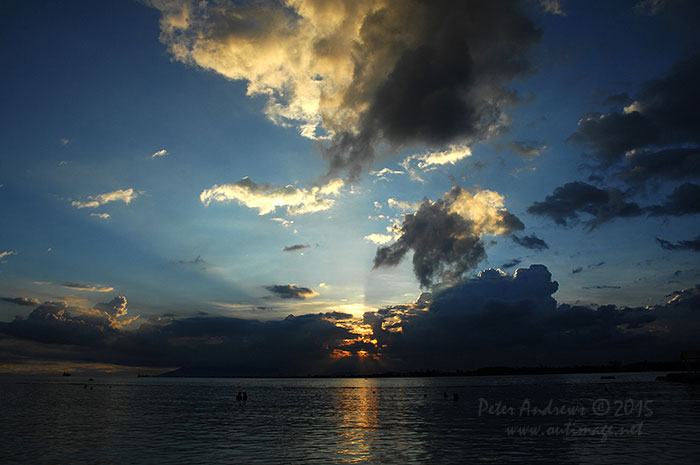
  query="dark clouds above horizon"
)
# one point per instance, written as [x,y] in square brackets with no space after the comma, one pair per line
[494,319]
[326,160]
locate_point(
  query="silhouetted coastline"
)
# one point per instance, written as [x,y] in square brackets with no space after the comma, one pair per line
[614,367]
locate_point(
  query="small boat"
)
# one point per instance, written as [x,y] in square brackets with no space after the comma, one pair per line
[607,377]
[65,373]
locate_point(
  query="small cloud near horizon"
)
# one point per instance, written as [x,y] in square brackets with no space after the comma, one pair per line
[291,291]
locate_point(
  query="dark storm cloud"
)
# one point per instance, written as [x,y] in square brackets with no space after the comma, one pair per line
[391,72]
[21,301]
[205,345]
[448,80]
[663,115]
[291,291]
[691,244]
[445,238]
[531,242]
[57,323]
[445,245]
[568,202]
[294,248]
[503,320]
[495,319]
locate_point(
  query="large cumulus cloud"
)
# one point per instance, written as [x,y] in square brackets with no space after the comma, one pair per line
[59,323]
[445,235]
[513,320]
[359,72]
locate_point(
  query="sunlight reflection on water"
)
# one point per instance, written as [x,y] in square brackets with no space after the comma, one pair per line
[409,420]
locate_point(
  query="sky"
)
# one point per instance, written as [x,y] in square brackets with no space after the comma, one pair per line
[322,187]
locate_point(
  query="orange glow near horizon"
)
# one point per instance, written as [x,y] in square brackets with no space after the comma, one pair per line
[363,333]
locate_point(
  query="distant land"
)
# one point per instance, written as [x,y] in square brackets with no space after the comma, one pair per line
[613,367]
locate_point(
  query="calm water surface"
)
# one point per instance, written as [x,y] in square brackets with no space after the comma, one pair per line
[539,419]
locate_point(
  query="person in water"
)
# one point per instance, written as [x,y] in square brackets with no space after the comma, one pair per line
[245,396]
[238,396]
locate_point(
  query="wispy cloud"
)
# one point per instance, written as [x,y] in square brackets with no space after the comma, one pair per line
[103,216]
[119,195]
[511,263]
[266,198]
[7,253]
[429,160]
[531,242]
[284,222]
[690,244]
[88,287]
[384,173]
[159,153]
[294,248]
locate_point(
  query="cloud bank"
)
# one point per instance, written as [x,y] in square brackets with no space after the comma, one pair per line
[493,319]
[499,319]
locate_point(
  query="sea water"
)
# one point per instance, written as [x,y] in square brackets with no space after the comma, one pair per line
[497,419]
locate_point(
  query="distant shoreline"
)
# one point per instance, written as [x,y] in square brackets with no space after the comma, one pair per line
[638,367]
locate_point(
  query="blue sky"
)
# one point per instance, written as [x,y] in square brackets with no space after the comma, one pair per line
[128,129]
